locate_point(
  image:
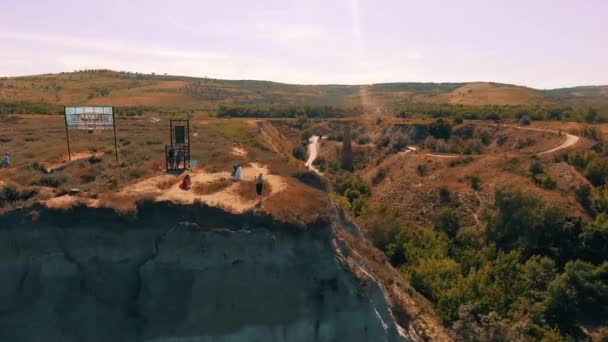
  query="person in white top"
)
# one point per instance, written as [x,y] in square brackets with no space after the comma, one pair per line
[6,160]
[236,174]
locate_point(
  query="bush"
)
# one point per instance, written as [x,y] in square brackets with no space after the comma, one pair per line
[578,296]
[447,221]
[458,120]
[356,192]
[544,181]
[363,140]
[523,142]
[51,180]
[475,182]
[525,121]
[312,179]
[299,152]
[460,161]
[379,176]
[536,168]
[10,194]
[580,159]
[421,169]
[594,239]
[583,197]
[440,129]
[591,133]
[597,170]
[444,194]
[591,116]
[212,187]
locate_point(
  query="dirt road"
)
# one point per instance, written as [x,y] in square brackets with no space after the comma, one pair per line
[313,152]
[571,139]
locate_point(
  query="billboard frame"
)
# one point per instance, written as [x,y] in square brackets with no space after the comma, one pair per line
[67,133]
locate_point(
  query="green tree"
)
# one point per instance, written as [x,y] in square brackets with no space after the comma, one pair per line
[594,239]
[591,116]
[447,220]
[578,296]
[583,197]
[597,170]
[440,129]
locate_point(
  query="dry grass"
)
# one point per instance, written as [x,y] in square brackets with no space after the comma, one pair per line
[167,183]
[212,187]
[299,203]
[246,189]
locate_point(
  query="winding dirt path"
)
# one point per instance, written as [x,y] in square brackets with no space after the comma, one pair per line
[313,152]
[571,139]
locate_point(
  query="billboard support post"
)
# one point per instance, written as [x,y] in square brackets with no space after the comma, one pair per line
[67,136]
[115,143]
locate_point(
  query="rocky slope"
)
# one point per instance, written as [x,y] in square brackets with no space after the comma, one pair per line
[181,273]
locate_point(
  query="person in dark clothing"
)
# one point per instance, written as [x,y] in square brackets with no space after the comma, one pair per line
[259,188]
[179,157]
[171,157]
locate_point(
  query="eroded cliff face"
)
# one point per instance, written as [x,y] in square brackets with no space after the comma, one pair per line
[177,273]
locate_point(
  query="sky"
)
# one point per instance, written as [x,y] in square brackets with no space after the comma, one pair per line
[537,43]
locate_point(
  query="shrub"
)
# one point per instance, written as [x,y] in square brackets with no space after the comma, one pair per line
[578,296]
[460,161]
[363,140]
[421,169]
[444,194]
[51,180]
[600,198]
[523,142]
[312,179]
[440,129]
[475,182]
[446,220]
[591,116]
[458,120]
[580,159]
[211,187]
[583,197]
[299,152]
[525,121]
[536,168]
[379,176]
[591,133]
[597,170]
[10,194]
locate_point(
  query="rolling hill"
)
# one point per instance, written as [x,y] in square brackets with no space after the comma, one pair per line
[125,89]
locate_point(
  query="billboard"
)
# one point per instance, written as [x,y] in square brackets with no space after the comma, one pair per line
[180,134]
[89,118]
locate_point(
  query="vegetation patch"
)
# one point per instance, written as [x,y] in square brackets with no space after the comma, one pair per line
[212,187]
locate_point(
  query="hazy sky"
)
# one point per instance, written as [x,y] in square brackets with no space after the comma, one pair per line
[539,43]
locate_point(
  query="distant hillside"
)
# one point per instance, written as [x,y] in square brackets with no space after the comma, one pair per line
[201,94]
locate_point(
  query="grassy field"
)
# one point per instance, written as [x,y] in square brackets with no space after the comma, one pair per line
[38,148]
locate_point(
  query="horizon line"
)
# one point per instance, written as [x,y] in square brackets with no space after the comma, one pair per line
[306,84]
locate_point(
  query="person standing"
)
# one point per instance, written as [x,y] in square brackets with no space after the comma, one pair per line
[237,173]
[6,160]
[171,157]
[179,157]
[259,188]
